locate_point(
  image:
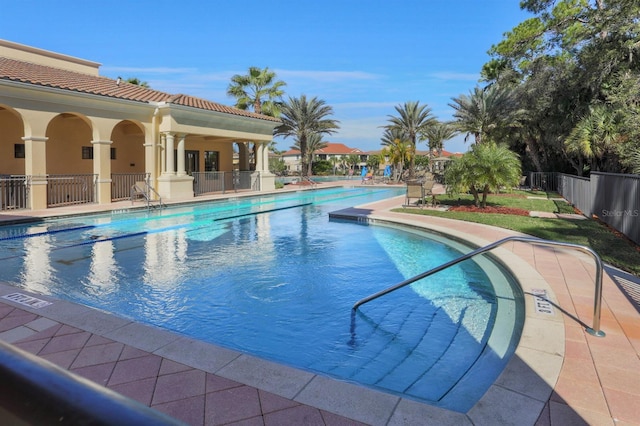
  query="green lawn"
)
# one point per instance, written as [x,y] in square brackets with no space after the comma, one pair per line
[611,248]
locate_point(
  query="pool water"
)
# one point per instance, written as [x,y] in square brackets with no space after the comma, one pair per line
[273,276]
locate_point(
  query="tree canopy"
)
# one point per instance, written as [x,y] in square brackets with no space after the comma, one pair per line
[574,68]
[303,118]
[258,90]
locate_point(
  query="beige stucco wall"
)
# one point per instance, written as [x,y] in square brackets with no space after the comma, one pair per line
[11,133]
[67,135]
[34,55]
[55,124]
[128,141]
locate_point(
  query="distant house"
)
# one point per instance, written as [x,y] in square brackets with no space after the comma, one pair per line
[71,136]
[293,160]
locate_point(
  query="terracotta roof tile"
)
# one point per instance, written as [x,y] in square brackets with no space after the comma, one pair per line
[40,75]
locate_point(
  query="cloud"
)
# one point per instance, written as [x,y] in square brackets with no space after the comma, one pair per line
[326,76]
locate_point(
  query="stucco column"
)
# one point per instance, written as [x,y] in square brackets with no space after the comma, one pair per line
[35,168]
[243,156]
[161,151]
[102,167]
[151,151]
[181,155]
[259,153]
[171,167]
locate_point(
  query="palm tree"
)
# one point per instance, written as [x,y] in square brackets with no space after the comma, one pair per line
[257,90]
[413,121]
[137,82]
[484,111]
[436,136]
[352,161]
[314,143]
[595,135]
[486,167]
[302,118]
[398,154]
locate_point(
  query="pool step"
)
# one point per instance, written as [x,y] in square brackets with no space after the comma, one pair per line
[417,351]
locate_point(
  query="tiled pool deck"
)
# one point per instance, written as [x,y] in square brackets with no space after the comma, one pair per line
[560,375]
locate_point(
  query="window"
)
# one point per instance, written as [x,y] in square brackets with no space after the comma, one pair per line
[211,161]
[18,150]
[87,153]
[113,153]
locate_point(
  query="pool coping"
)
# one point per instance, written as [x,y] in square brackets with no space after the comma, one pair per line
[518,396]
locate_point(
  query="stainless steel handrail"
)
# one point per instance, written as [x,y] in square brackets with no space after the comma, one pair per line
[597,304]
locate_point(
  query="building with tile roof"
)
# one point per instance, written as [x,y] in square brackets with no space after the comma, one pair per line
[62,125]
[336,150]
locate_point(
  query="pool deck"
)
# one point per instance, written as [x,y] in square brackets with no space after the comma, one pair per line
[559,375]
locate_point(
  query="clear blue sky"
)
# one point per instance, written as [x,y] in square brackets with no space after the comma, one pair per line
[362,57]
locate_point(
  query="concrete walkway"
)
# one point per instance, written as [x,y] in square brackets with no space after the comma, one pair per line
[560,374]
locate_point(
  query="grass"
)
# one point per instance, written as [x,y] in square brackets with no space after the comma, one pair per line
[612,248]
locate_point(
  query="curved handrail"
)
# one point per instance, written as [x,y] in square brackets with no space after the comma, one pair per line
[597,304]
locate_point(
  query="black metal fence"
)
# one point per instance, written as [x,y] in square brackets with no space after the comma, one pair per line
[546,181]
[121,184]
[211,182]
[613,198]
[14,192]
[64,190]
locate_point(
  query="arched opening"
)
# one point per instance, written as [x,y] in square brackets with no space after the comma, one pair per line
[13,183]
[127,159]
[69,159]
[12,149]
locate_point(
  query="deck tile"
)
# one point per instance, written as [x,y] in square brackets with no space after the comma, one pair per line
[181,385]
[232,405]
[135,369]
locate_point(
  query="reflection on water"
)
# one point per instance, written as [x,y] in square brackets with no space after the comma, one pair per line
[279,283]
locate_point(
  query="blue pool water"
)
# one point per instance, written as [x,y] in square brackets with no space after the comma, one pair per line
[275,277]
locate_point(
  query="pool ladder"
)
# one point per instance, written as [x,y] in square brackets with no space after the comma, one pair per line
[597,304]
[144,189]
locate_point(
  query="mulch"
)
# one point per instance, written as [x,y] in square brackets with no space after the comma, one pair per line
[490,209]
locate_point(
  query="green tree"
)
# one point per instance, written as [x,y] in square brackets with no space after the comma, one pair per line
[136,81]
[352,161]
[302,118]
[595,137]
[413,120]
[258,90]
[437,135]
[397,149]
[568,60]
[485,112]
[314,143]
[484,168]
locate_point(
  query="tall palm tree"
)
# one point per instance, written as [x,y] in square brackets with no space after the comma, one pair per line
[314,143]
[258,90]
[484,111]
[302,118]
[436,136]
[485,167]
[413,120]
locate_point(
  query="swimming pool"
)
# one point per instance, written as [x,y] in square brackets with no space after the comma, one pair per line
[273,276]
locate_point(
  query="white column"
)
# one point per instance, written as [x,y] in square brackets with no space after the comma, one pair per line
[171,167]
[262,156]
[162,149]
[181,155]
